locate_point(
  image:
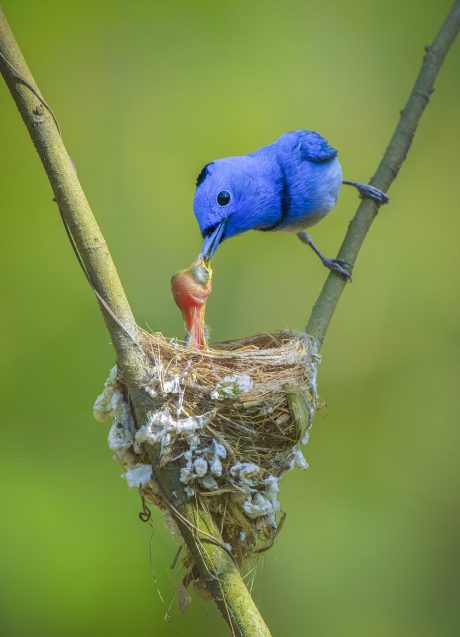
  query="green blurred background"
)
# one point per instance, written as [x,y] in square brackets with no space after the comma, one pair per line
[147,92]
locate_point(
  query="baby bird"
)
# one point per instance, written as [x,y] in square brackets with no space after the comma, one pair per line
[191,288]
[288,185]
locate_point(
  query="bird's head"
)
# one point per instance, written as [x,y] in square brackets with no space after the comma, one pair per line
[231,196]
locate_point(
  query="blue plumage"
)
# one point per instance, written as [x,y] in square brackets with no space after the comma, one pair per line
[288,185]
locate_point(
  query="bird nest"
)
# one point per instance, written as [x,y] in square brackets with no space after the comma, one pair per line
[230,418]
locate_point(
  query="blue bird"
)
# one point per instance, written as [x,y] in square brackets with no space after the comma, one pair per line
[288,185]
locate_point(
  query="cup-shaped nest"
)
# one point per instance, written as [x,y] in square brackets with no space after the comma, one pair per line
[232,417]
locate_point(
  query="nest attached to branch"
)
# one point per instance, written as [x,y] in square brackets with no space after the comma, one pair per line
[231,417]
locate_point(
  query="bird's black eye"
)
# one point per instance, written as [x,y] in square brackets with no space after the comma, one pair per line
[223,198]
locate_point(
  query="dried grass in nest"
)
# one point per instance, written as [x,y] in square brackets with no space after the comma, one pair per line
[260,424]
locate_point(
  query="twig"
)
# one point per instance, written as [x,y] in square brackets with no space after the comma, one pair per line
[216,566]
[70,198]
[34,90]
[387,171]
[214,563]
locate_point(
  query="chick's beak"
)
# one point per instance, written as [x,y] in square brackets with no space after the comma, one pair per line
[212,240]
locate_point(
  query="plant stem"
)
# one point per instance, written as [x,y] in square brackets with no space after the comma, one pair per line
[387,171]
[214,563]
[223,579]
[68,194]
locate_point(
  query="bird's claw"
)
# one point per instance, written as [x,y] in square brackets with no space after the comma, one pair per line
[340,266]
[366,191]
[371,192]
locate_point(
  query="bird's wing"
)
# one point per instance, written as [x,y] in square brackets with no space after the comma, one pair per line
[313,147]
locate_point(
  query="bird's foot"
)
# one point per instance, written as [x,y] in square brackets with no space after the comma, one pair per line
[369,192]
[338,265]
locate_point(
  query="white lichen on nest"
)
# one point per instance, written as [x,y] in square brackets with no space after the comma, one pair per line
[231,418]
[232,386]
[111,403]
[138,475]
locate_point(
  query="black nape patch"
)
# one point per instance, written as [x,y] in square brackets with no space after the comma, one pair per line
[203,174]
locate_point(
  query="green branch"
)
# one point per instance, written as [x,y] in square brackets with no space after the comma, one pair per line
[69,196]
[215,565]
[213,561]
[387,171]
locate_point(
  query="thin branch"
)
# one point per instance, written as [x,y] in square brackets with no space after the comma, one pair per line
[69,196]
[387,171]
[214,563]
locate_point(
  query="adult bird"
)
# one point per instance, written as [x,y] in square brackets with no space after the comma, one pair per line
[290,185]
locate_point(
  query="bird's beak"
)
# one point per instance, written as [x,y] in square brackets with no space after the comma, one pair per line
[212,240]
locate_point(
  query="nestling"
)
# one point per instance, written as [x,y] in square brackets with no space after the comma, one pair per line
[290,185]
[191,288]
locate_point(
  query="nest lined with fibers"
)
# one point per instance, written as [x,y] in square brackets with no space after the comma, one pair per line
[232,418]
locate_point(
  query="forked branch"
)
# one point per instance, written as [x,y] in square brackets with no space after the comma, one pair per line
[213,561]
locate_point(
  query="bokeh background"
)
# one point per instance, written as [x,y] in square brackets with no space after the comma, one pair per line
[147,92]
